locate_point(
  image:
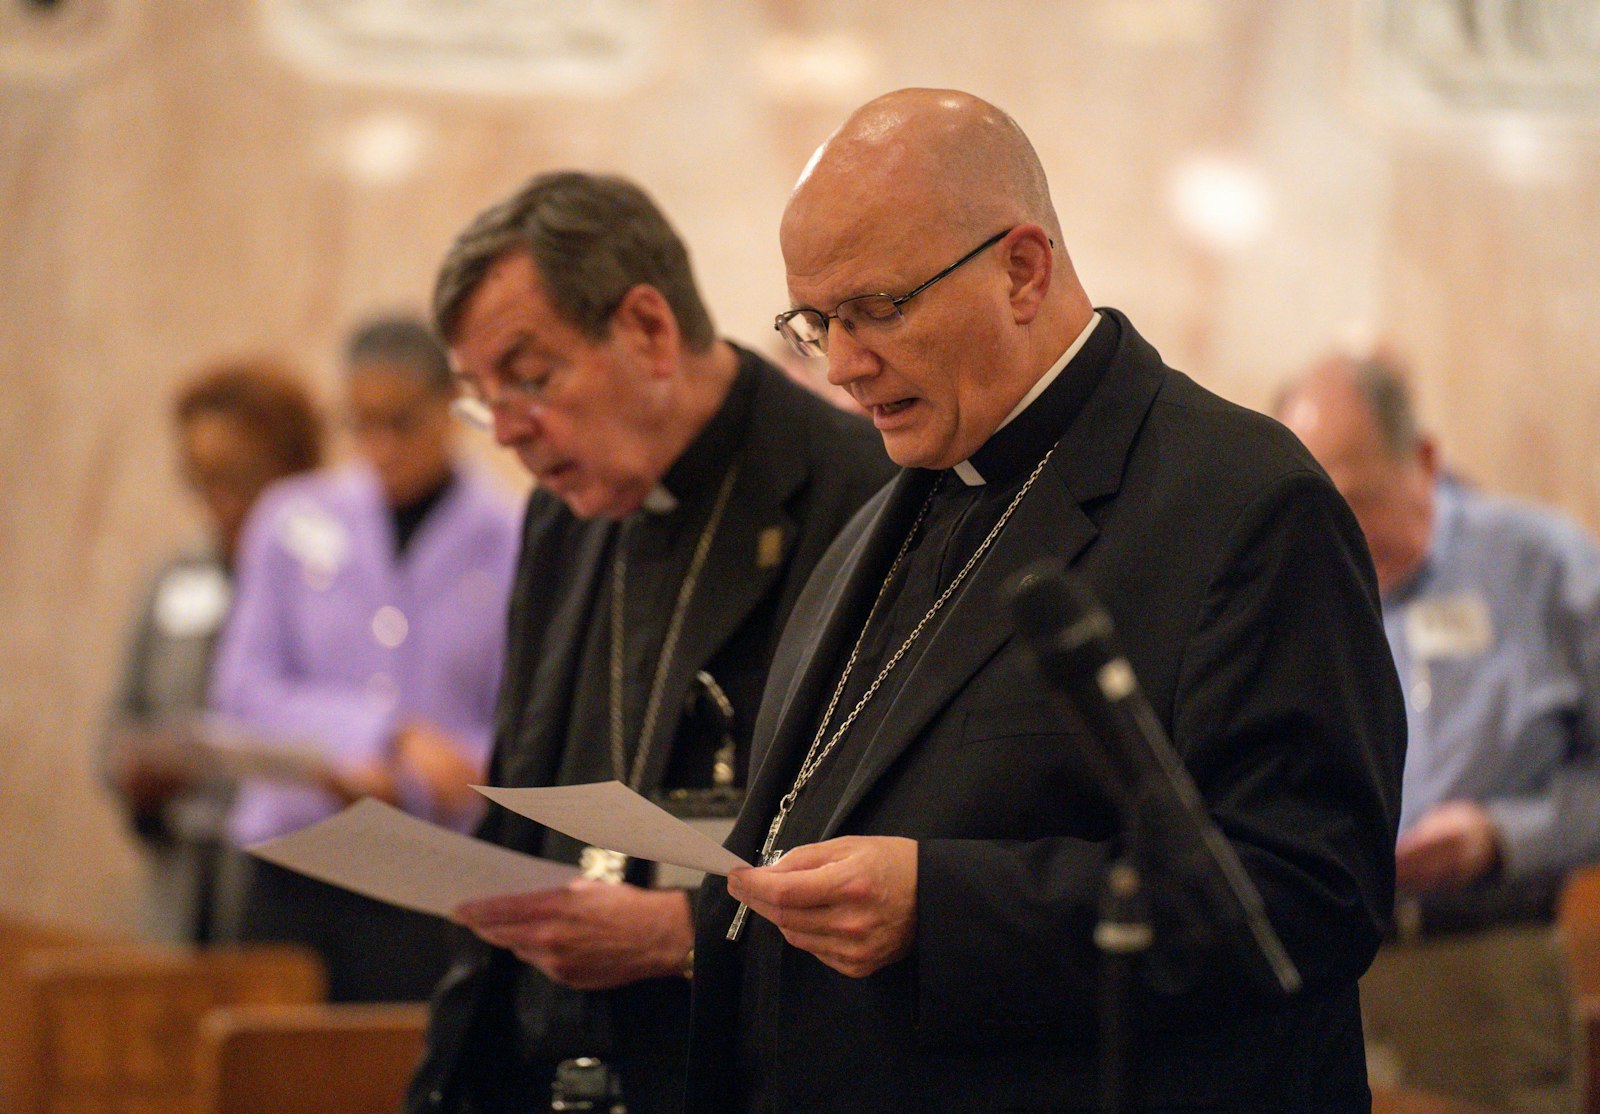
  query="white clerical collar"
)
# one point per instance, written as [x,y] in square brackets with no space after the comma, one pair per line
[970,475]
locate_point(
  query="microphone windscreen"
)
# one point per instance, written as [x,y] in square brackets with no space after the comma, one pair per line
[1042,602]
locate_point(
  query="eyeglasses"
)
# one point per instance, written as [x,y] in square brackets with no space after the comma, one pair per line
[475,402]
[806,329]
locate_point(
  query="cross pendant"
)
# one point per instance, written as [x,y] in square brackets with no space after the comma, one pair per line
[769,855]
[601,865]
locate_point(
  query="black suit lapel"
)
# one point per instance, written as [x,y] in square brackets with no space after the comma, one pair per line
[1051,521]
[806,666]
[748,554]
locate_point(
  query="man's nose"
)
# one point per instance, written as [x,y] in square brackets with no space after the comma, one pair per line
[513,425]
[848,358]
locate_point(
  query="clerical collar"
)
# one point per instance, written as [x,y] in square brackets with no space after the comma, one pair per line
[700,467]
[1045,412]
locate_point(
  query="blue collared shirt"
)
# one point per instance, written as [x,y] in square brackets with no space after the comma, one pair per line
[1497,640]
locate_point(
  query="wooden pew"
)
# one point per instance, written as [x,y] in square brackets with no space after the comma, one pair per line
[116,1030]
[1589,1051]
[310,1059]
[1404,1100]
[19,936]
[1578,916]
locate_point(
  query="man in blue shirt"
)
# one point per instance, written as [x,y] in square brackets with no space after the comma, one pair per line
[1492,610]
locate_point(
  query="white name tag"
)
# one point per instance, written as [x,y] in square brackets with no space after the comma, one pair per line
[191,602]
[1448,627]
[316,539]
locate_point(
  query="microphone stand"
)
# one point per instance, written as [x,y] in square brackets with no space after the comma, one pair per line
[1074,645]
[1123,934]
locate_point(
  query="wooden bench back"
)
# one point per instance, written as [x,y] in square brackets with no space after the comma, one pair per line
[310,1059]
[116,1030]
[20,936]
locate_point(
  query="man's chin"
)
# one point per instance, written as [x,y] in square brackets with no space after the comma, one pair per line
[914,452]
[591,503]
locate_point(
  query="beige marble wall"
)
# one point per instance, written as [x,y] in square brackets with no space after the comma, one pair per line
[171,190]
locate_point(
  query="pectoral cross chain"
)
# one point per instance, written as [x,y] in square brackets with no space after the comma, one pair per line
[769,855]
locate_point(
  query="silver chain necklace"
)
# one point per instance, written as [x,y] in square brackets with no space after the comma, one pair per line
[596,862]
[819,751]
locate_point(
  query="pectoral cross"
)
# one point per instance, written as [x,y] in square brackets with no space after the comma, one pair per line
[769,855]
[601,865]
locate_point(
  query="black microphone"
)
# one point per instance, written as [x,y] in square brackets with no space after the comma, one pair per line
[1075,648]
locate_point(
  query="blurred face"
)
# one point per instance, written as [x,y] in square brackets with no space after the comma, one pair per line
[1392,497]
[582,415]
[933,382]
[227,466]
[401,428]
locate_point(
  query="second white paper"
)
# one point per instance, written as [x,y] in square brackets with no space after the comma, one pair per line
[610,815]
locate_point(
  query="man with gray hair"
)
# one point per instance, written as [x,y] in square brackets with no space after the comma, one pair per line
[1492,610]
[686,488]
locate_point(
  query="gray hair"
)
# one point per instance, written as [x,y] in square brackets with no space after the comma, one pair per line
[592,238]
[404,343]
[1379,380]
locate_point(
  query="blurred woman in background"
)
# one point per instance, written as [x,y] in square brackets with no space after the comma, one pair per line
[240,426]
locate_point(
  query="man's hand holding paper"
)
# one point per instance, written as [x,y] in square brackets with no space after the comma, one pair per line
[851,901]
[589,935]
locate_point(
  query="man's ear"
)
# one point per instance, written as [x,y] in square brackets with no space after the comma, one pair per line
[1030,264]
[646,326]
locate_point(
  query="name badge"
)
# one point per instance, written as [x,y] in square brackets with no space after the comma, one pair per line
[191,602]
[1448,627]
[316,539]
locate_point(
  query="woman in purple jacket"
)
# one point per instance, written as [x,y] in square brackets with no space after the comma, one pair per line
[366,641]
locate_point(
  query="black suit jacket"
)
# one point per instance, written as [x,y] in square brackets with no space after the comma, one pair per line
[807,467]
[1243,594]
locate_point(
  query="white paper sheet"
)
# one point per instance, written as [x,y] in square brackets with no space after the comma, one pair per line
[377,850]
[610,815]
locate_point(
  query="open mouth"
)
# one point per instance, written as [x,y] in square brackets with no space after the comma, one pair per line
[885,412]
[555,474]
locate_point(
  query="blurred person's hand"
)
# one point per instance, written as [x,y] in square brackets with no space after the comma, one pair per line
[144,765]
[434,757]
[370,779]
[1454,844]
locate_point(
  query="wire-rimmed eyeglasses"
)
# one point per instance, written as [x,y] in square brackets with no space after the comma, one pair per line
[475,403]
[806,329]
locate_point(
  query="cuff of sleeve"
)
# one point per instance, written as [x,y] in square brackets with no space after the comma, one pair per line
[365,737]
[413,795]
[1523,827]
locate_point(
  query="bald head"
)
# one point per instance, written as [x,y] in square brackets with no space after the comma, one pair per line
[936,195]
[1355,416]
[955,161]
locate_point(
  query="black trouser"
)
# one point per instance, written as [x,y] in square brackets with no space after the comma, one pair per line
[374,952]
